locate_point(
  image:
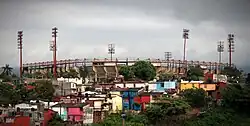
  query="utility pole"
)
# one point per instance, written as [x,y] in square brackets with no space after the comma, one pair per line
[111,50]
[20,48]
[185,37]
[230,47]
[220,49]
[53,48]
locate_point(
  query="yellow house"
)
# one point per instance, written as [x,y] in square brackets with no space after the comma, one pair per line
[187,85]
[208,87]
[116,101]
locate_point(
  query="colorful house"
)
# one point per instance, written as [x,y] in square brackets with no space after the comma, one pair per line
[209,88]
[70,111]
[128,96]
[116,101]
[189,84]
[143,100]
[163,86]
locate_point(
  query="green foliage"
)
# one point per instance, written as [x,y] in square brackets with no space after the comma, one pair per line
[166,76]
[237,97]
[44,90]
[7,70]
[194,73]
[144,70]
[195,96]
[166,108]
[127,72]
[131,120]
[248,79]
[8,95]
[83,71]
[216,117]
[234,75]
[56,121]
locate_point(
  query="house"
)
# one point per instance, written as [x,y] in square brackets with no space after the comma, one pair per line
[189,84]
[128,95]
[71,111]
[209,88]
[143,99]
[166,85]
[116,101]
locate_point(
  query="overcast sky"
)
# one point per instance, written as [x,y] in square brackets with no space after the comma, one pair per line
[138,28]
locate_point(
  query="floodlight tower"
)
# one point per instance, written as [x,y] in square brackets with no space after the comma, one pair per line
[185,37]
[53,48]
[168,55]
[220,50]
[20,48]
[230,47]
[111,50]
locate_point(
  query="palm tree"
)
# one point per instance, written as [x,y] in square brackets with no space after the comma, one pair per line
[7,70]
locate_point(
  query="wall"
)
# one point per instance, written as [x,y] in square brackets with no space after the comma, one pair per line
[162,86]
[116,104]
[152,87]
[208,87]
[88,115]
[184,86]
[75,114]
[63,113]
[143,100]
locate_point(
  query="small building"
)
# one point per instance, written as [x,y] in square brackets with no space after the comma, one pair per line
[166,85]
[73,111]
[128,98]
[143,99]
[189,84]
[209,88]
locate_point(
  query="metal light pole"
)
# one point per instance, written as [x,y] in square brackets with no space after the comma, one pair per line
[168,56]
[20,48]
[230,47]
[111,50]
[53,48]
[185,37]
[220,49]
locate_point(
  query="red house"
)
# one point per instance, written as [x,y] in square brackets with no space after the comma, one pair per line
[143,99]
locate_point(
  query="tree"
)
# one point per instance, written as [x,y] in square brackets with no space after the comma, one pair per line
[83,71]
[127,72]
[234,75]
[195,97]
[7,70]
[194,73]
[166,76]
[45,90]
[144,70]
[237,97]
[248,79]
[166,110]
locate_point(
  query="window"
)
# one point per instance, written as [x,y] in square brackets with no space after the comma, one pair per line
[162,84]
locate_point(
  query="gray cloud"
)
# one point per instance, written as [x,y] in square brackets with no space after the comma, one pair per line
[140,28]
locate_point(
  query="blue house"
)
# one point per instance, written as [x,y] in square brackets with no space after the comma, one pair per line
[128,96]
[162,86]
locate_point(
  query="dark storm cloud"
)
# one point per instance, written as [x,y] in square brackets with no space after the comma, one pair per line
[155,25]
